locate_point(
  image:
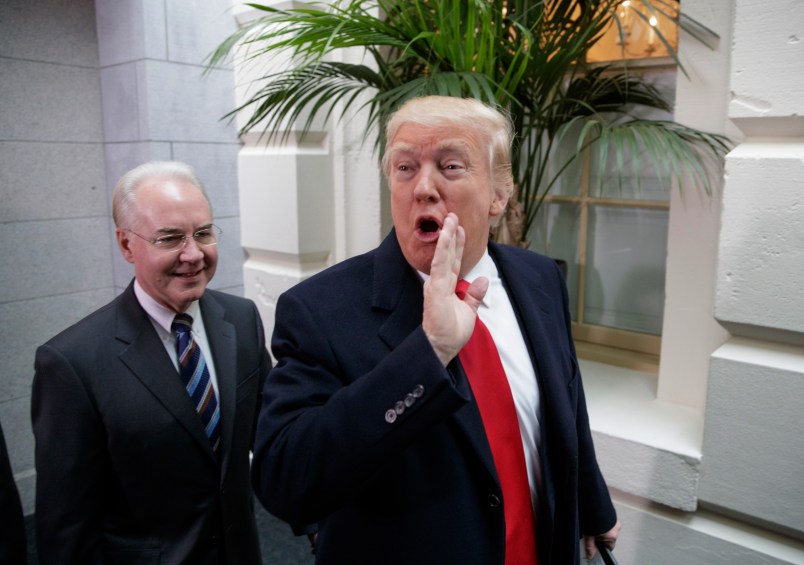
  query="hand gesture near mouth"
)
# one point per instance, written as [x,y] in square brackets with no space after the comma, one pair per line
[447,320]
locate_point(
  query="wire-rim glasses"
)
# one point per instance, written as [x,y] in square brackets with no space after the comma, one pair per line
[172,242]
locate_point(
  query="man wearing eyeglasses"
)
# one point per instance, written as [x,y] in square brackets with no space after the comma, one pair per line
[144,411]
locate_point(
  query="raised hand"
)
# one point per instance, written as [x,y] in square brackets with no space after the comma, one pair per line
[447,320]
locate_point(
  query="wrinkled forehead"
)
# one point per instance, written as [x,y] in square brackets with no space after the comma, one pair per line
[412,139]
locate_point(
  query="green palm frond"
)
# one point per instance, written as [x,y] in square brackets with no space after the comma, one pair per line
[525,56]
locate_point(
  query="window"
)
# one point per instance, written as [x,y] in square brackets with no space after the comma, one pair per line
[639,35]
[613,235]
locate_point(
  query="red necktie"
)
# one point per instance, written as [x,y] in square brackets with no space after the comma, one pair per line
[481,362]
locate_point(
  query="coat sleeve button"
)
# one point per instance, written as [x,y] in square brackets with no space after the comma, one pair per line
[418,391]
[390,416]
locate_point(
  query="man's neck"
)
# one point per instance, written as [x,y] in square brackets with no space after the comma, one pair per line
[159,313]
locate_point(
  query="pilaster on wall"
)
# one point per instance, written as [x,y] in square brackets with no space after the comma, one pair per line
[307,201]
[287,217]
[752,441]
[690,332]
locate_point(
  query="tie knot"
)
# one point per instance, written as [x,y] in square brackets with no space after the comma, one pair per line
[182,323]
[460,288]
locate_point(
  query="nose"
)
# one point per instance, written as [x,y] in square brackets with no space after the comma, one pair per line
[191,252]
[426,189]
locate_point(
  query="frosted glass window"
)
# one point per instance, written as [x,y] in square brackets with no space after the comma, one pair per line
[555,234]
[647,185]
[625,268]
[610,226]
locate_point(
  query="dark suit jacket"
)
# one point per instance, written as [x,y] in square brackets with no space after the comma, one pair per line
[125,473]
[421,488]
[13,547]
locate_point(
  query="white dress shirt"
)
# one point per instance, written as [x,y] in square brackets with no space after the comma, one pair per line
[497,314]
[162,320]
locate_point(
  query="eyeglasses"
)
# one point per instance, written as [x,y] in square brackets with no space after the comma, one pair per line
[207,236]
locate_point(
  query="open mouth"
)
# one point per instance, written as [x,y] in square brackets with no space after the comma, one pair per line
[428,226]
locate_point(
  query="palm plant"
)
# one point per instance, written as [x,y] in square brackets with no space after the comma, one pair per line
[526,56]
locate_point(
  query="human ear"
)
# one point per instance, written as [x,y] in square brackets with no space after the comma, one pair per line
[124,243]
[498,203]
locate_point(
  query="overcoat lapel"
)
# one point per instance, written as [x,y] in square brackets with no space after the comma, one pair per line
[533,307]
[222,337]
[144,354]
[398,290]
[539,319]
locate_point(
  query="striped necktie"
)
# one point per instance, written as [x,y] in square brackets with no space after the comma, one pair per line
[195,376]
[482,365]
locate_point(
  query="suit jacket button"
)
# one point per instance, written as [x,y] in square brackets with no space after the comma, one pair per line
[494,501]
[409,400]
[390,416]
[399,407]
[418,391]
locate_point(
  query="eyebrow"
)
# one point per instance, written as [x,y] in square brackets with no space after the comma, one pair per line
[400,148]
[454,145]
[170,230]
[447,146]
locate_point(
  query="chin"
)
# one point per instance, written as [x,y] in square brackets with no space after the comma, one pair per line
[423,264]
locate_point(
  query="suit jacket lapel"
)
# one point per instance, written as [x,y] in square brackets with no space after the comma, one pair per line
[222,337]
[398,290]
[144,354]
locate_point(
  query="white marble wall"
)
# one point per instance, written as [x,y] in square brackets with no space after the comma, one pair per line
[753,447]
[750,495]
[719,435]
[306,202]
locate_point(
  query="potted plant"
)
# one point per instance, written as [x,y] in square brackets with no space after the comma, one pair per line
[527,56]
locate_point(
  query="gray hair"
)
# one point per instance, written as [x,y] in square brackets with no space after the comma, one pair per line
[124,197]
[490,125]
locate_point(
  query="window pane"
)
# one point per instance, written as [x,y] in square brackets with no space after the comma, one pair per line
[626,268]
[619,181]
[627,177]
[565,156]
[634,174]
[555,234]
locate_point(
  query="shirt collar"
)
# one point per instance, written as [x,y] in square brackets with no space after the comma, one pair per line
[162,316]
[485,267]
